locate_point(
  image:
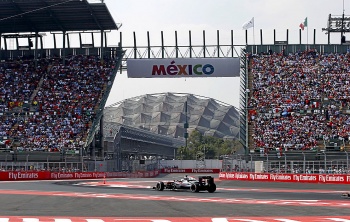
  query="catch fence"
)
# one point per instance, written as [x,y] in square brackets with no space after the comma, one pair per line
[43,166]
[303,162]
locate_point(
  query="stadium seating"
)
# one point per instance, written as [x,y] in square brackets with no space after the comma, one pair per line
[19,79]
[49,108]
[300,101]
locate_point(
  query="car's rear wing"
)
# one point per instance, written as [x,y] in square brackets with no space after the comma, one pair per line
[209,179]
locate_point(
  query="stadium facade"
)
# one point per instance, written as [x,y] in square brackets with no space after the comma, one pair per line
[165,114]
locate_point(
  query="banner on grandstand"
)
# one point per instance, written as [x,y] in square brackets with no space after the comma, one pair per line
[183,67]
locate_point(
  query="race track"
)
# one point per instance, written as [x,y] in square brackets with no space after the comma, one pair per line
[122,199]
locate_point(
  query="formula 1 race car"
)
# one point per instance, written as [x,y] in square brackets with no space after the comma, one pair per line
[204,183]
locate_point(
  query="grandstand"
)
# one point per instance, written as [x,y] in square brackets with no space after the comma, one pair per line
[50,98]
[310,113]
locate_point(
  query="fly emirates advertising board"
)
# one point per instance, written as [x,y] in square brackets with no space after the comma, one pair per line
[189,67]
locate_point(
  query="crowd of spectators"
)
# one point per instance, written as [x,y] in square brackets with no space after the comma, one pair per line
[62,101]
[299,100]
[18,79]
[39,169]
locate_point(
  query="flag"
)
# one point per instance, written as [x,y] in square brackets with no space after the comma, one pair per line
[303,24]
[248,24]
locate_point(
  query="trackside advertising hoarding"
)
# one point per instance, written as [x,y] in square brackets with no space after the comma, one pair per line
[183,67]
[174,170]
[297,178]
[47,175]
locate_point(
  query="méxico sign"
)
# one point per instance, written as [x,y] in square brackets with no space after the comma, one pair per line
[184,67]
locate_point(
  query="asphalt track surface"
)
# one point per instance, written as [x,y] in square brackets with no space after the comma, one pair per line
[134,198]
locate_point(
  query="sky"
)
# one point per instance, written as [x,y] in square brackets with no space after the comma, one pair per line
[154,16]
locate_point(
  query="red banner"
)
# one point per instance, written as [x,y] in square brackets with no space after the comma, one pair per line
[46,175]
[298,178]
[176,170]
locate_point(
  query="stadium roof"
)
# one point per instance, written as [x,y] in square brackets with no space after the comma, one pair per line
[18,16]
[165,113]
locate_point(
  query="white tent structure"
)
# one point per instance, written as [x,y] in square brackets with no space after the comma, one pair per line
[166,114]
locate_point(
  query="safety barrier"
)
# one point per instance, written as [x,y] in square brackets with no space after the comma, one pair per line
[299,178]
[47,175]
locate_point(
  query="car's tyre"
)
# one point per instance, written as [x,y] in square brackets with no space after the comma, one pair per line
[160,186]
[211,187]
[195,188]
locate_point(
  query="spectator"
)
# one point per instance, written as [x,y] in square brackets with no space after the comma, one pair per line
[297,99]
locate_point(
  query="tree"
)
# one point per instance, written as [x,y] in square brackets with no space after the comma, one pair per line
[210,146]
